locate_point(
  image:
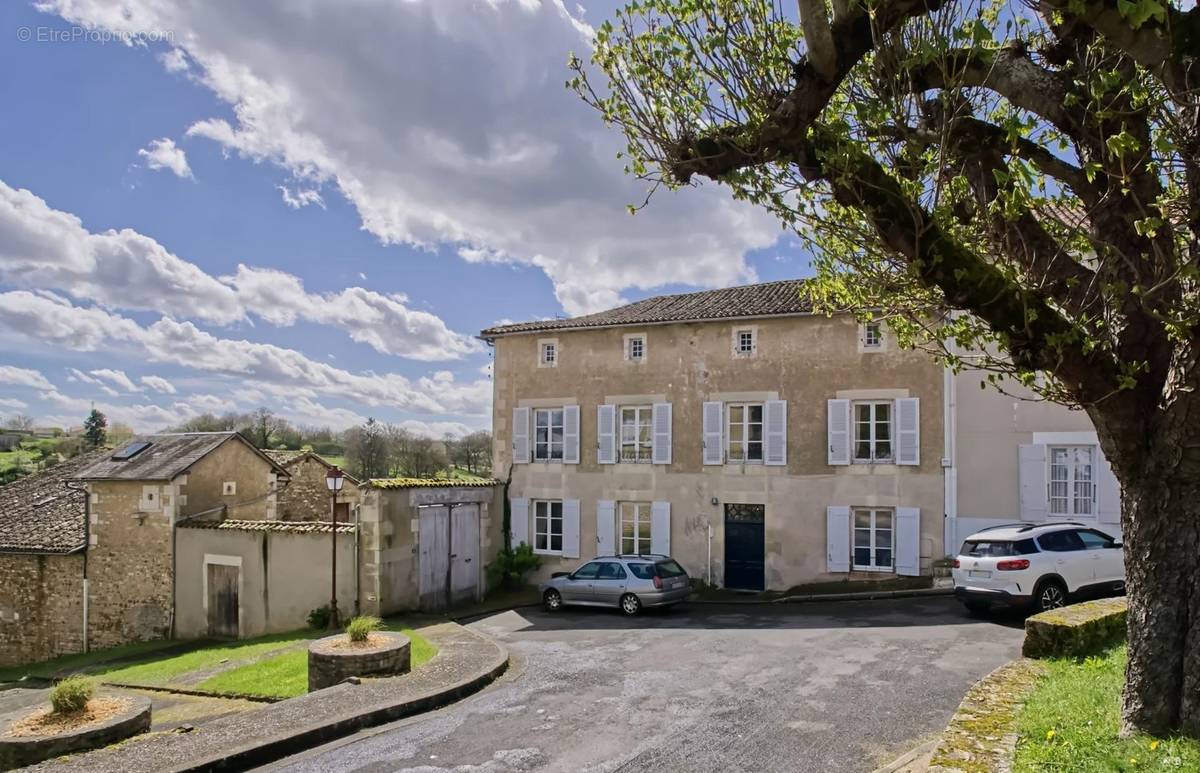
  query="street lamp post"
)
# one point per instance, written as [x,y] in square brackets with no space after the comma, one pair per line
[333,481]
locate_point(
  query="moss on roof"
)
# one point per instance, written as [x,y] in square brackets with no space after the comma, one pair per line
[398,483]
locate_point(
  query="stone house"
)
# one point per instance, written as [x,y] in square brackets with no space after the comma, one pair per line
[43,540]
[762,445]
[306,497]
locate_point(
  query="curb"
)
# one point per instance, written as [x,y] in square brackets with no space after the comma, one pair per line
[818,597]
[485,612]
[913,760]
[981,734]
[237,696]
[279,748]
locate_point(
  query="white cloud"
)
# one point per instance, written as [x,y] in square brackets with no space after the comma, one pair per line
[23,377]
[436,429]
[41,247]
[117,378]
[301,198]
[52,320]
[159,384]
[174,60]
[164,154]
[13,403]
[446,121]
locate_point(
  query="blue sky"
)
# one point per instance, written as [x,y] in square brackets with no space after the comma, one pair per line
[439,181]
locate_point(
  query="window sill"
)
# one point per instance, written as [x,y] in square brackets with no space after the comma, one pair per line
[547,552]
[876,569]
[547,461]
[875,462]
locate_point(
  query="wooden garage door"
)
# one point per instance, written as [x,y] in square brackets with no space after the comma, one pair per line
[223,600]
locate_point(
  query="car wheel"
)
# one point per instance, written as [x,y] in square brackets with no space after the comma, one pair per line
[1051,594]
[631,604]
[977,608]
[552,600]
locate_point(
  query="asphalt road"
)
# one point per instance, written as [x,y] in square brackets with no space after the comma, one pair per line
[807,687]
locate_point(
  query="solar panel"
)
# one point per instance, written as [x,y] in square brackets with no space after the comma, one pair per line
[130,451]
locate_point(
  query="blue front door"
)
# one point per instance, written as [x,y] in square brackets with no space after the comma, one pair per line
[744,547]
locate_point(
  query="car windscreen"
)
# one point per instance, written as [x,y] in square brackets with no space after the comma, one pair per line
[668,569]
[997,548]
[642,571]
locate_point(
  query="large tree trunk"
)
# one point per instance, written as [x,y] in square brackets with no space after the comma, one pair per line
[1161,529]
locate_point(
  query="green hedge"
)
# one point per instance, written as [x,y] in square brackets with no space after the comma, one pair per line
[1075,631]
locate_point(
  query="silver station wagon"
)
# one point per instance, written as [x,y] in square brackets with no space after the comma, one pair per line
[628,582]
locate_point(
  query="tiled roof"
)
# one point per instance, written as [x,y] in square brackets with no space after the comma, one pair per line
[768,299]
[39,514]
[168,455]
[287,458]
[286,527]
[397,483]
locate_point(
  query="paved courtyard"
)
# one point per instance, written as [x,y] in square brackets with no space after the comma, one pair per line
[810,687]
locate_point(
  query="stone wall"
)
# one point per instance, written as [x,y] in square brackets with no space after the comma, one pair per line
[306,497]
[129,565]
[41,607]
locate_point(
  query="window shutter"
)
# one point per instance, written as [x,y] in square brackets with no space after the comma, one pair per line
[519,525]
[570,527]
[776,433]
[520,436]
[908,541]
[1032,468]
[1108,490]
[660,420]
[660,528]
[908,431]
[606,434]
[714,414]
[837,538]
[606,527]
[570,434]
[839,431]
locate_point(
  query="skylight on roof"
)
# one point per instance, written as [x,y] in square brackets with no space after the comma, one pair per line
[130,451]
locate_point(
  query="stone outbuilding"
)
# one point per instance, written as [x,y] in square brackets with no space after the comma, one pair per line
[43,536]
[306,497]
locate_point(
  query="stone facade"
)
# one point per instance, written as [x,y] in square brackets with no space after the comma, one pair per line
[306,496]
[41,607]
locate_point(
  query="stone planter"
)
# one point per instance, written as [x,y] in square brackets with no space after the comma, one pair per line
[388,655]
[31,749]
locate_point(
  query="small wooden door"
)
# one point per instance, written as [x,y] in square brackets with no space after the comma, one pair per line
[464,553]
[223,600]
[434,556]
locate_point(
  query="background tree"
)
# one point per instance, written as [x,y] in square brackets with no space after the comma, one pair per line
[95,429]
[19,421]
[1013,187]
[366,450]
[262,427]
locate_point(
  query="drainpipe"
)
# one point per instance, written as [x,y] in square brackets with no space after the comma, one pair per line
[87,536]
[949,460]
[357,567]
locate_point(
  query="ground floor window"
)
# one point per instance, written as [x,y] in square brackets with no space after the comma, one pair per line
[1072,484]
[635,528]
[872,539]
[547,526]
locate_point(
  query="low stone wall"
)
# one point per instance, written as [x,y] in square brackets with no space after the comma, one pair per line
[329,664]
[1075,631]
[28,750]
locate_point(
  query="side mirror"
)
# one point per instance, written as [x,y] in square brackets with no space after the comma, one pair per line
[1118,544]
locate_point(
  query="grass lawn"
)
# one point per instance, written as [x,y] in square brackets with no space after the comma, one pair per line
[1071,720]
[74,663]
[166,671]
[286,675]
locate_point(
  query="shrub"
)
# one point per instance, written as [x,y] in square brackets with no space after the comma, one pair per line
[362,627]
[511,565]
[318,619]
[72,694]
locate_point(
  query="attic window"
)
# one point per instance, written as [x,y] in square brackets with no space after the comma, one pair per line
[130,451]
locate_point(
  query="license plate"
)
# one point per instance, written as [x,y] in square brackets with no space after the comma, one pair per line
[980,574]
[678,583]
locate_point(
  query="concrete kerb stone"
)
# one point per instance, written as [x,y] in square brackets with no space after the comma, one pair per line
[981,736]
[466,662]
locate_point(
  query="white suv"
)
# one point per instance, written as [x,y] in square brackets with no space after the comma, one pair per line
[1043,565]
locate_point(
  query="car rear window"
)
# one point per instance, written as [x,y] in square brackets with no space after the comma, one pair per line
[642,571]
[668,569]
[997,548]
